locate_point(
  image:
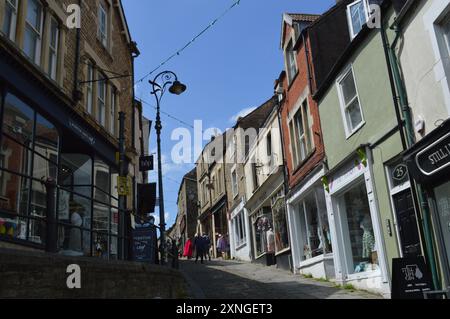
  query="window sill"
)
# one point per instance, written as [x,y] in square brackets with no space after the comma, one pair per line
[359,127]
[281,252]
[314,260]
[302,163]
[292,81]
[241,246]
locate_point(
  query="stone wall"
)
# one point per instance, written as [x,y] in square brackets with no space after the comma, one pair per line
[38,275]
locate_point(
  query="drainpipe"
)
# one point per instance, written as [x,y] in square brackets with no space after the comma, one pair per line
[76,89]
[394,65]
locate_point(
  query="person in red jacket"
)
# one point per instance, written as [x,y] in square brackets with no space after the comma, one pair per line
[188,249]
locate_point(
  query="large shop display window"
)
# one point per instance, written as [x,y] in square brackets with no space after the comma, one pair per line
[263,232]
[442,194]
[88,207]
[314,227]
[280,224]
[28,155]
[361,250]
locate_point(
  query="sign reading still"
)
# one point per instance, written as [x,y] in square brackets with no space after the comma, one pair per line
[411,278]
[146,163]
[436,157]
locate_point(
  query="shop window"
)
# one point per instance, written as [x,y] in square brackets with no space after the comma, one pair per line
[442,195]
[53,48]
[280,225]
[264,239]
[314,227]
[350,103]
[10,19]
[33,30]
[357,230]
[358,14]
[29,154]
[239,230]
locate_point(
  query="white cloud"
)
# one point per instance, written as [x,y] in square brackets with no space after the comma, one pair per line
[242,113]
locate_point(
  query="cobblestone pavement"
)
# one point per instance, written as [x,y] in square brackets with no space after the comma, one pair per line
[237,280]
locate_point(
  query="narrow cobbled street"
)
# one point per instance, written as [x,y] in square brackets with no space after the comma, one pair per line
[237,280]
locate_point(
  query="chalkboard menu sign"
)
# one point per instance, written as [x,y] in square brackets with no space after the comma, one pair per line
[144,242]
[411,278]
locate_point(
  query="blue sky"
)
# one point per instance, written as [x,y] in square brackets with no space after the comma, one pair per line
[230,69]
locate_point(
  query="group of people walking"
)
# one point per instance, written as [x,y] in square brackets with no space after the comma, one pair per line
[201,246]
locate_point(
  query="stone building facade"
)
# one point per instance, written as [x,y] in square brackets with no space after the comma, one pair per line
[65,87]
[187,218]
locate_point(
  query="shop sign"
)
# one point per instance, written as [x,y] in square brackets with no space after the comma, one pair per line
[144,242]
[146,163]
[434,158]
[82,132]
[411,278]
[123,186]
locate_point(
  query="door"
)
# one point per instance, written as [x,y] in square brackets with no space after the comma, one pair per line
[407,224]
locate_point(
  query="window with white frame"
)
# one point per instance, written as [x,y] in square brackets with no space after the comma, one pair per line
[33,30]
[350,103]
[103,25]
[53,48]
[301,135]
[234,183]
[358,14]
[90,89]
[10,19]
[290,61]
[101,99]
[239,230]
[445,29]
[113,112]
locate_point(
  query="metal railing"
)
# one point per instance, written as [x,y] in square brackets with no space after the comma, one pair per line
[53,231]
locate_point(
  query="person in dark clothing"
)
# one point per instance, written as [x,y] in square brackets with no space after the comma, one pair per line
[207,241]
[199,245]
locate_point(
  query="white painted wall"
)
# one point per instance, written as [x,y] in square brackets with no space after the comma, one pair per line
[425,64]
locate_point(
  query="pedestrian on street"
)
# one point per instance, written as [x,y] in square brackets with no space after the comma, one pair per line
[207,251]
[220,245]
[199,245]
[188,249]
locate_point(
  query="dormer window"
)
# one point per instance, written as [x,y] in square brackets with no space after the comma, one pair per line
[358,15]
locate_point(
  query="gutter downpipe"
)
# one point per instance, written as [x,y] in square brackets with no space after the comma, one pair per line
[77,60]
[410,141]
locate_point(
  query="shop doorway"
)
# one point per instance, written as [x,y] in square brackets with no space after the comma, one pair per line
[407,223]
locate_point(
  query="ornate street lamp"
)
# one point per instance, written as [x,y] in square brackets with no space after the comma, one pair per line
[160,83]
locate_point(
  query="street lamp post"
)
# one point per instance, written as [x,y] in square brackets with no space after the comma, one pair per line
[161,82]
